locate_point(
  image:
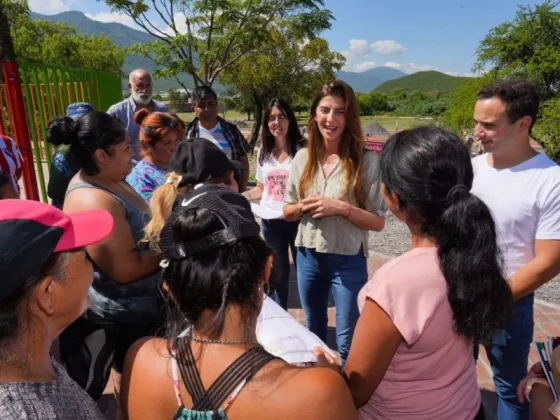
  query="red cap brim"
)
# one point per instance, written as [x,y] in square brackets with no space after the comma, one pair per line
[87,228]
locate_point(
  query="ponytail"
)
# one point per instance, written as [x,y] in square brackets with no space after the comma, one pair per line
[470,260]
[430,171]
[161,205]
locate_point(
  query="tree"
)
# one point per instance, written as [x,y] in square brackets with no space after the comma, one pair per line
[373,103]
[459,115]
[527,47]
[59,44]
[56,43]
[547,129]
[217,33]
[293,71]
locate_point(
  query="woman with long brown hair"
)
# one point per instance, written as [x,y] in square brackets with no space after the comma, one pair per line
[334,191]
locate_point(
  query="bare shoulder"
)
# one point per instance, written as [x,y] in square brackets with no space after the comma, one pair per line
[311,393]
[148,358]
[86,198]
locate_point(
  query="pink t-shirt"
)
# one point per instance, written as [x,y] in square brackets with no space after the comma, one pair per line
[432,375]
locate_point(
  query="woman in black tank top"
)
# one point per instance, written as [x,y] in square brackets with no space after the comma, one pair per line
[211,366]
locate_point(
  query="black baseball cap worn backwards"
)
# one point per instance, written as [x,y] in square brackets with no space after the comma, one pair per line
[233,210]
[198,159]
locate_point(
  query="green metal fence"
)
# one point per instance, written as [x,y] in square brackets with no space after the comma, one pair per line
[48,90]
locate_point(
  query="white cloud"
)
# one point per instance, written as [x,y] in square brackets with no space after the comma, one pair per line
[392,64]
[48,7]
[365,66]
[415,68]
[388,47]
[113,17]
[360,47]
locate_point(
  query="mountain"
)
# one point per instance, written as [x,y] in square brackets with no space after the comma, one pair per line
[368,80]
[121,35]
[423,81]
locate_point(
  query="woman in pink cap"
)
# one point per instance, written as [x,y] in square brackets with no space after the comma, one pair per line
[43,289]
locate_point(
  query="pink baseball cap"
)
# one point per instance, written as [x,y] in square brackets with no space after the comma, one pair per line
[30,232]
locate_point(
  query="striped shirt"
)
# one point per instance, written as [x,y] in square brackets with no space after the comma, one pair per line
[11,161]
[124,112]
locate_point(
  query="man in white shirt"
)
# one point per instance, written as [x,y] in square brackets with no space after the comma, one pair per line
[522,189]
[222,133]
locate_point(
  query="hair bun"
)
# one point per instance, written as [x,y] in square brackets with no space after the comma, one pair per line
[141,115]
[62,131]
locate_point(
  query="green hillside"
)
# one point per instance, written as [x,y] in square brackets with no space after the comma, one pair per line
[424,81]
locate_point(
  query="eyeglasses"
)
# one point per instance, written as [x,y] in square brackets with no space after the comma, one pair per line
[207,105]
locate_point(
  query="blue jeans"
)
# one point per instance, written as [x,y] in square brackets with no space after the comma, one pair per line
[280,235]
[318,273]
[508,356]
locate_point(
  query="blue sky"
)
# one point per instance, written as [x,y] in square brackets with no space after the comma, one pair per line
[410,35]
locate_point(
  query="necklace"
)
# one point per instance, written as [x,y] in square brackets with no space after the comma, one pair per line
[216,341]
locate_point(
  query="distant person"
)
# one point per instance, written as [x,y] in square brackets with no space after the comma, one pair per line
[45,280]
[160,133]
[335,193]
[209,125]
[11,161]
[411,356]
[141,97]
[211,365]
[281,140]
[64,163]
[7,190]
[522,189]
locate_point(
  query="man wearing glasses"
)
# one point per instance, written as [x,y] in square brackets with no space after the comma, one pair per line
[223,134]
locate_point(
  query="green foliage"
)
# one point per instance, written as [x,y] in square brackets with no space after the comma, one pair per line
[547,129]
[423,81]
[527,47]
[177,100]
[373,103]
[55,43]
[418,103]
[459,115]
[218,32]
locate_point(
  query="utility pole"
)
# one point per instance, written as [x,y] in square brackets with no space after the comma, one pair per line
[16,106]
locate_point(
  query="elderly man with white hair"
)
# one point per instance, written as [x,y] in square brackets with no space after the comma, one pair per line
[141,92]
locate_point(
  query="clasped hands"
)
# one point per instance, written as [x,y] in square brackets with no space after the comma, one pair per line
[323,207]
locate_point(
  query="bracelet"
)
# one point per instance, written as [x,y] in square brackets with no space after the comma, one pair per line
[349,210]
[530,384]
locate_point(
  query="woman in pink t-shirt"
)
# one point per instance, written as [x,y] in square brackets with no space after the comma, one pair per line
[412,352]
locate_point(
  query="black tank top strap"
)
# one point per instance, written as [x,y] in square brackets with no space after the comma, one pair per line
[240,372]
[188,370]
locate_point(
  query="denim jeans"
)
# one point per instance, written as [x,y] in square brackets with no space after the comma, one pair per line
[280,235]
[344,275]
[509,356]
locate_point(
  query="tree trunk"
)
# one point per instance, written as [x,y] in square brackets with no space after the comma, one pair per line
[258,120]
[6,45]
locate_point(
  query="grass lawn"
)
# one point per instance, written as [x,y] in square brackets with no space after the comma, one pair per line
[389,122]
